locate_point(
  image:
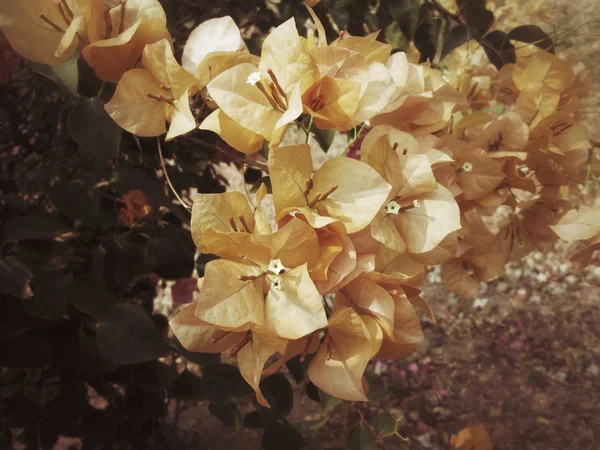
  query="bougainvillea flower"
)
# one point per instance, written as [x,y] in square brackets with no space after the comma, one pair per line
[119,34]
[342,189]
[418,212]
[43,31]
[213,47]
[541,83]
[147,98]
[423,100]
[253,348]
[265,98]
[350,90]
[338,366]
[233,294]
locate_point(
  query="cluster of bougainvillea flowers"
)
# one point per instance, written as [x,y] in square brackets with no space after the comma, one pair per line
[466,167]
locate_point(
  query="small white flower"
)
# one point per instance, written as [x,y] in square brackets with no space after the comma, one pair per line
[276,267]
[416,203]
[253,78]
[467,167]
[392,207]
[480,302]
[276,283]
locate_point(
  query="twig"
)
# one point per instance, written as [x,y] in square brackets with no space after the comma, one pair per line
[162,162]
[249,163]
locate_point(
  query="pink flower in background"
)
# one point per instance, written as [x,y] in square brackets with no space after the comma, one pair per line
[413,367]
[182,291]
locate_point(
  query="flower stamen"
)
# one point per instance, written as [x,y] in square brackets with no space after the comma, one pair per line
[244,224]
[160,98]
[52,24]
[122,24]
[107,23]
[235,350]
[63,14]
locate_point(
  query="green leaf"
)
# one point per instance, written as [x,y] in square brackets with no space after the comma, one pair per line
[187,386]
[15,320]
[15,277]
[94,130]
[280,395]
[407,14]
[170,253]
[360,438]
[377,390]
[154,375]
[532,34]
[90,295]
[81,354]
[385,424]
[77,200]
[456,37]
[12,381]
[328,402]
[222,384]
[229,415]
[127,335]
[311,427]
[33,227]
[498,48]
[278,436]
[124,260]
[66,74]
[48,301]
[479,19]
[266,180]
[323,137]
[202,359]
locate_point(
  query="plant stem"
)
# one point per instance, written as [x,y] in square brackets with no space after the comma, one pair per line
[255,164]
[310,124]
[162,162]
[353,140]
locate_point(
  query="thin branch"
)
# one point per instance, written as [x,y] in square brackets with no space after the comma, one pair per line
[242,160]
[162,162]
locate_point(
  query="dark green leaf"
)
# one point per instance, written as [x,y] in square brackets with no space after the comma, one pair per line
[187,386]
[124,261]
[478,19]
[464,4]
[229,415]
[94,130]
[328,402]
[377,390]
[77,200]
[222,384]
[407,14]
[324,137]
[455,38]
[33,227]
[24,351]
[280,395]
[201,262]
[14,277]
[278,436]
[532,34]
[426,38]
[11,382]
[385,424]
[395,37]
[360,438]
[498,48]
[266,180]
[81,354]
[311,427]
[202,359]
[90,295]
[297,368]
[127,335]
[66,74]
[154,375]
[49,301]
[170,253]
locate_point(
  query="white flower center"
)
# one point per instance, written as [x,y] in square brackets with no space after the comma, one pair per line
[276,283]
[253,78]
[276,267]
[392,207]
[467,167]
